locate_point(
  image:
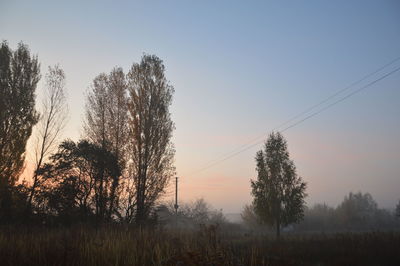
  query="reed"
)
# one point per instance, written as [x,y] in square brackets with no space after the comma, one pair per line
[114,245]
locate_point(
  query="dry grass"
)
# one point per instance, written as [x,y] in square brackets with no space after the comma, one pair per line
[121,246]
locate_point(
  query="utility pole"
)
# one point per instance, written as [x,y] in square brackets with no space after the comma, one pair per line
[176,200]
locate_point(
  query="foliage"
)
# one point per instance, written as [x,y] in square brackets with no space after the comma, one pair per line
[190,214]
[320,217]
[137,128]
[398,209]
[357,209]
[19,75]
[278,192]
[78,183]
[250,218]
[357,212]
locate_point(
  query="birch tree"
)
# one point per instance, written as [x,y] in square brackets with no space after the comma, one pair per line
[53,118]
[278,191]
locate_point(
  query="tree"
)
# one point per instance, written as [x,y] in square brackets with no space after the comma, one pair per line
[357,211]
[52,121]
[197,211]
[118,129]
[398,209]
[19,75]
[249,217]
[150,128]
[79,181]
[190,215]
[278,192]
[117,114]
[127,195]
[96,111]
[106,120]
[319,217]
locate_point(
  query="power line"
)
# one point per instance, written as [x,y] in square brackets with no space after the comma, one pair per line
[342,99]
[327,99]
[302,120]
[339,92]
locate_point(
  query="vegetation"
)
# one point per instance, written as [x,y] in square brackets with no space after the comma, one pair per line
[19,75]
[278,192]
[78,183]
[190,215]
[52,121]
[98,201]
[117,173]
[358,212]
[206,246]
[150,124]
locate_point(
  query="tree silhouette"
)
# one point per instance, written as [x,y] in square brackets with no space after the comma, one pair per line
[53,117]
[19,75]
[278,192]
[151,151]
[79,181]
[397,212]
[357,211]
[106,120]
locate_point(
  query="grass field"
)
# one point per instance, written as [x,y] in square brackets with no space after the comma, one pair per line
[131,246]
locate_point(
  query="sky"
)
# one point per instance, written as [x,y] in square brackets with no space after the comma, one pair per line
[240,69]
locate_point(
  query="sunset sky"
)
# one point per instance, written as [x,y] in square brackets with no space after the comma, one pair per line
[239,70]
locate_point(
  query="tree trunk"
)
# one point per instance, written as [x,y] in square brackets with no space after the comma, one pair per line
[278,229]
[139,204]
[139,213]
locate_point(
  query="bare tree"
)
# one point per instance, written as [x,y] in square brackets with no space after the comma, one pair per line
[127,197]
[106,126]
[117,119]
[106,112]
[53,118]
[117,114]
[95,129]
[150,125]
[96,106]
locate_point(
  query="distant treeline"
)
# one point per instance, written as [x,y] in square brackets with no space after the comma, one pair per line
[357,212]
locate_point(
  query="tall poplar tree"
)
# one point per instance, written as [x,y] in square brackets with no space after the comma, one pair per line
[106,126]
[19,75]
[150,128]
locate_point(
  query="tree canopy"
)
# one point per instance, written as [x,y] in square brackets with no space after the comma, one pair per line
[78,182]
[278,191]
[19,75]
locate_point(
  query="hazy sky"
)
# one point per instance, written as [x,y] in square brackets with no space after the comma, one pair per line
[240,69]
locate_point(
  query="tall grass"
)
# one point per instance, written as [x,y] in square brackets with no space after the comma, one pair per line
[133,246]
